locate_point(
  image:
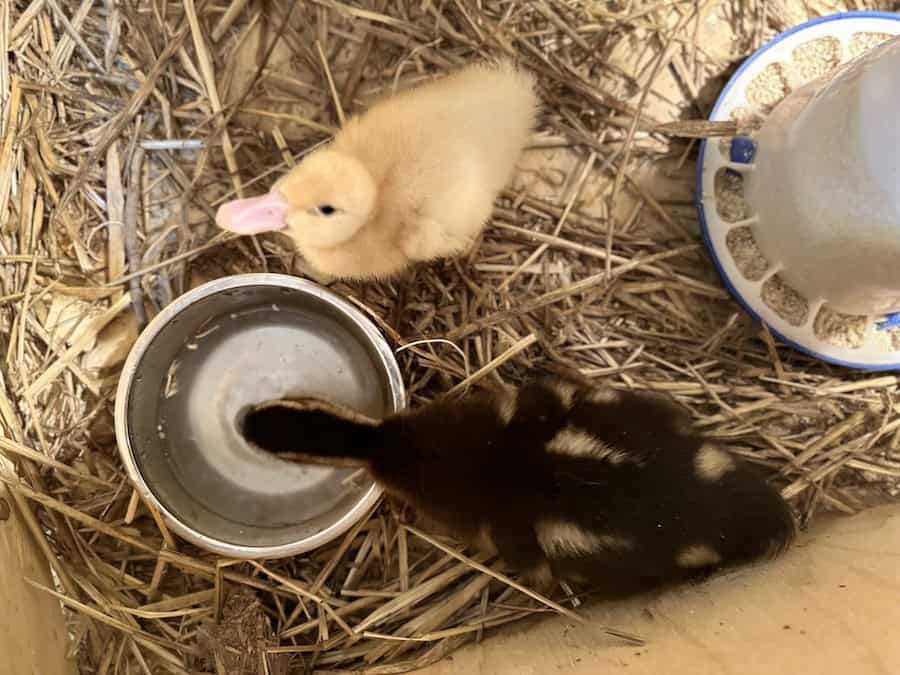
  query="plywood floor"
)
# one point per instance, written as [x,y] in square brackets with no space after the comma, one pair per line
[33,638]
[831,606]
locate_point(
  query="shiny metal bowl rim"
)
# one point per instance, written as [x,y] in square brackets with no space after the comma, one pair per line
[130,370]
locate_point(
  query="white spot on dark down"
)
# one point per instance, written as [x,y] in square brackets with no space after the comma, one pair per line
[575,442]
[566,392]
[603,395]
[559,538]
[578,443]
[507,403]
[697,555]
[712,462]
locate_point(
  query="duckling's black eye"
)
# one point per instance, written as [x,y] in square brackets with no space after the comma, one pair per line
[326,209]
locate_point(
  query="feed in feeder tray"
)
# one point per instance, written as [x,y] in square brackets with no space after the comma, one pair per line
[746,253]
[801,216]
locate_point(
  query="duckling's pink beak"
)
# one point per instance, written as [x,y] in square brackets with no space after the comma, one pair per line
[255,215]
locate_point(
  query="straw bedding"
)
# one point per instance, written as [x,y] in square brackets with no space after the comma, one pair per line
[124,126]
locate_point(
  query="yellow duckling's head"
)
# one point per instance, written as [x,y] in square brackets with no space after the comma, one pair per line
[320,203]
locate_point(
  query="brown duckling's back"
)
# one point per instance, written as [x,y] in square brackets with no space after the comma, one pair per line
[581,484]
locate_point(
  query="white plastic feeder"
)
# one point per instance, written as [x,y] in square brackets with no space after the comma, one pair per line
[821,192]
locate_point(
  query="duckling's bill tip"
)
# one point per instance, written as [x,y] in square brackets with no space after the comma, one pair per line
[255,215]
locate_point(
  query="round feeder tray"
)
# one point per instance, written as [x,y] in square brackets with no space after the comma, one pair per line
[726,219]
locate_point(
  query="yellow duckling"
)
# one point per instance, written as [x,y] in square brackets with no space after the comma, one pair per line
[412,179]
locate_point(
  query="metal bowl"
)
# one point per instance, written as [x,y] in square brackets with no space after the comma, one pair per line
[204,359]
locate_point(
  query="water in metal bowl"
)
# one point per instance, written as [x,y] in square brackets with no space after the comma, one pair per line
[217,350]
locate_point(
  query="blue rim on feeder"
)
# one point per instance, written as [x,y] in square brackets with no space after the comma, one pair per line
[802,214]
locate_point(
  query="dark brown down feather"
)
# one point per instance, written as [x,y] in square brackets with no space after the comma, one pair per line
[575,483]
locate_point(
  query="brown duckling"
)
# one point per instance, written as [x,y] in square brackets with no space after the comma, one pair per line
[566,482]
